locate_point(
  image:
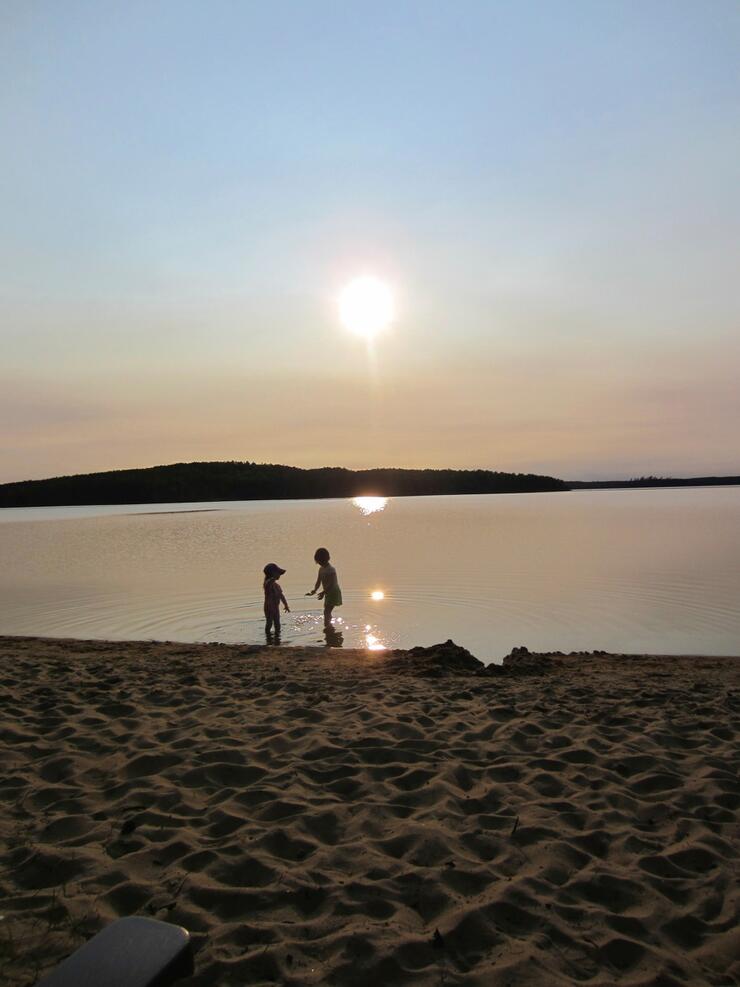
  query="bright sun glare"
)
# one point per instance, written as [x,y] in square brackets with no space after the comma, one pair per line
[370,505]
[366,306]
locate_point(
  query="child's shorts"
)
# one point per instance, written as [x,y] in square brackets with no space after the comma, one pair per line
[333,597]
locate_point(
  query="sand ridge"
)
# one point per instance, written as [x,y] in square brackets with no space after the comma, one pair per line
[315,817]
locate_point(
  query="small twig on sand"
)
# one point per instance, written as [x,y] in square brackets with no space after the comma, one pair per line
[514,828]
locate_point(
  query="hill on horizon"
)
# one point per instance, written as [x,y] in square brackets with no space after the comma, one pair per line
[655,481]
[194,482]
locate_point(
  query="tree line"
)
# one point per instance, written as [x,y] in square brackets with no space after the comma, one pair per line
[656,481]
[193,482]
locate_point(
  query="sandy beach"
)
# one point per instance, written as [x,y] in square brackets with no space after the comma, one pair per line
[352,817]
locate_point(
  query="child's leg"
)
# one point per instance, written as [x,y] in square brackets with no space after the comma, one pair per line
[268,624]
[334,638]
[328,607]
[277,626]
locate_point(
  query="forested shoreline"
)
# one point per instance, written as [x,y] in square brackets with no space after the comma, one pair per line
[655,481]
[196,482]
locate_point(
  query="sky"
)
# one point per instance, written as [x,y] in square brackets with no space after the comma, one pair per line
[550,189]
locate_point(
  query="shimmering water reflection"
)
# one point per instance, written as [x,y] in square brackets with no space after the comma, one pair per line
[370,505]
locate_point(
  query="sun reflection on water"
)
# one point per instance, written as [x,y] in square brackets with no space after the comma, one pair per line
[370,505]
[373,643]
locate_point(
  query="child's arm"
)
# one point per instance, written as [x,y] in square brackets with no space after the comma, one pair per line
[284,601]
[318,583]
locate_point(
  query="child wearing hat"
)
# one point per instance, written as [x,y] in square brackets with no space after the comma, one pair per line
[274,596]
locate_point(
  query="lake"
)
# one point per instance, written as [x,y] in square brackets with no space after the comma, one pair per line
[621,570]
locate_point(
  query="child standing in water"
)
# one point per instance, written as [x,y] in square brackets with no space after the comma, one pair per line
[330,593]
[274,596]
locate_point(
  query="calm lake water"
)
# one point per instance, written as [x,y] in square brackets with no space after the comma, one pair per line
[622,570]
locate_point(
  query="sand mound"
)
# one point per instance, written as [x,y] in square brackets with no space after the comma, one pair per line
[317,817]
[449,659]
[436,661]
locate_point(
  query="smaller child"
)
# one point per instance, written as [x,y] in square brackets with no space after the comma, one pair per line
[330,593]
[274,596]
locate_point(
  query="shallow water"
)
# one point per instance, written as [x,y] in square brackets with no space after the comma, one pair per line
[623,570]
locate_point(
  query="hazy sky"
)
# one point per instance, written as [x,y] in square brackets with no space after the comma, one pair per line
[552,189]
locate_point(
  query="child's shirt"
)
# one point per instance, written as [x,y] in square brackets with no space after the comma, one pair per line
[328,576]
[273,596]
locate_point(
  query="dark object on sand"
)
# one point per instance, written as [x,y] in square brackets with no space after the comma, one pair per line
[436,661]
[522,661]
[132,952]
[440,661]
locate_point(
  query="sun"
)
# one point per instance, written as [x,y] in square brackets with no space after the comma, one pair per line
[366,306]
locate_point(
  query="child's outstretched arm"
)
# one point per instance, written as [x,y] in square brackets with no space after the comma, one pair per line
[318,583]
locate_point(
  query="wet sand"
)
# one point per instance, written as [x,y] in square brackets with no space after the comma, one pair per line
[367,818]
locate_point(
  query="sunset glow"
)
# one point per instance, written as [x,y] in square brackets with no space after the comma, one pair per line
[343,278]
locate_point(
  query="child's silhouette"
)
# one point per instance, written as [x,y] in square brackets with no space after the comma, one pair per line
[330,593]
[274,596]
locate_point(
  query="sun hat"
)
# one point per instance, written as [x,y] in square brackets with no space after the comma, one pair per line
[273,571]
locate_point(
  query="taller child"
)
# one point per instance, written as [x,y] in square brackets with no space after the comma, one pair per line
[330,593]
